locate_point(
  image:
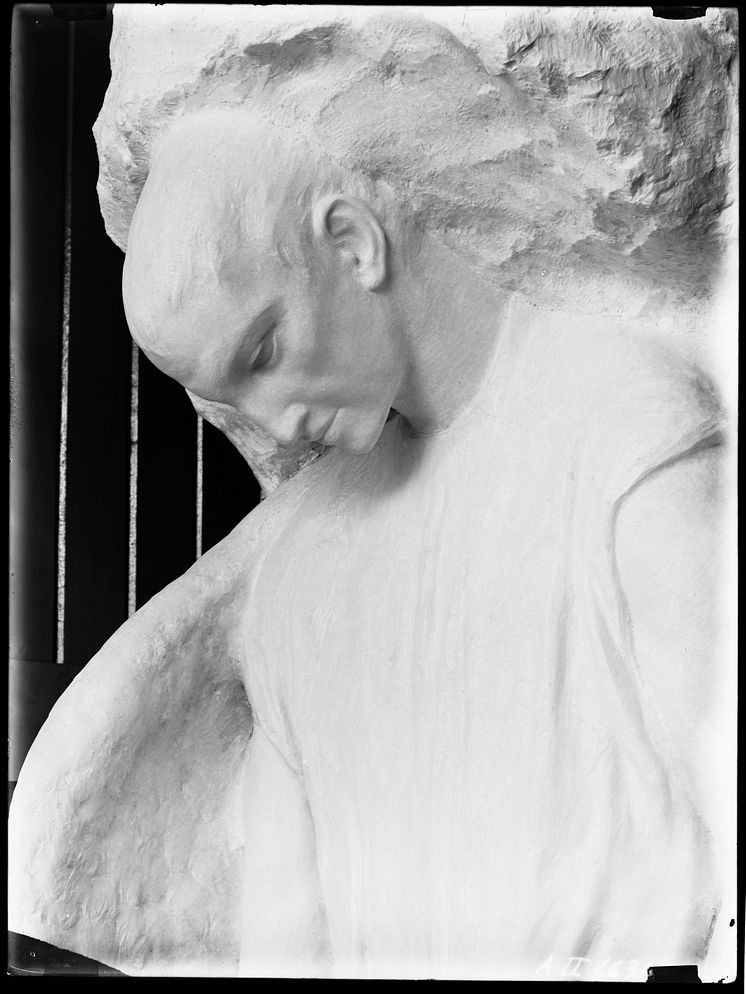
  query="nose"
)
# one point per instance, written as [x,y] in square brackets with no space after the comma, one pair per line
[283,424]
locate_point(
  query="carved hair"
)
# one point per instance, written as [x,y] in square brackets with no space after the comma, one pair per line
[539,175]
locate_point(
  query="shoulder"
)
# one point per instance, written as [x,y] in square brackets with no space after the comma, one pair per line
[618,385]
[668,527]
[642,407]
[671,546]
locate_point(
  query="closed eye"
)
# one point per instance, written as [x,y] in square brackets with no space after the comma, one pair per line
[264,353]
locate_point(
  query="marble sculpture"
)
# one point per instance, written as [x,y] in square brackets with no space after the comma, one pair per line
[456,699]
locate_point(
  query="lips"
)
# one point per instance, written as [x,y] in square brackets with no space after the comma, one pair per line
[307,434]
[323,436]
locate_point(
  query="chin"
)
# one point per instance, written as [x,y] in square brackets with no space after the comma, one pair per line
[358,443]
[358,447]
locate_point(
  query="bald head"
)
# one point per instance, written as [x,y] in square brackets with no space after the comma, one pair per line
[211,204]
[225,190]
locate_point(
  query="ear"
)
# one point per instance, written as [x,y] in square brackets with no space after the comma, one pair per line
[355,233]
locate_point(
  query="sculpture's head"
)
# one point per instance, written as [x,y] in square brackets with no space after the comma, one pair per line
[260,277]
[491,141]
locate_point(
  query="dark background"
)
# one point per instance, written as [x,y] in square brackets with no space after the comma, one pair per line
[59,74]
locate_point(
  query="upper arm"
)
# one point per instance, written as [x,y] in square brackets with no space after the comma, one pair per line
[671,558]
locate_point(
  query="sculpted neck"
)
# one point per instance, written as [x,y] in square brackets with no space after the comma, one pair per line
[451,324]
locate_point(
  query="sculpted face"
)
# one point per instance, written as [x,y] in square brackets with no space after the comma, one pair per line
[306,352]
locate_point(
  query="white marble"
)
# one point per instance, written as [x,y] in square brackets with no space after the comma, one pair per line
[456,700]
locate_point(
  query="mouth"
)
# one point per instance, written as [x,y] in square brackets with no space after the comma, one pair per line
[326,431]
[308,434]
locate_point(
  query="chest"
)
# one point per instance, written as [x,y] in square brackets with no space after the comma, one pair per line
[424,614]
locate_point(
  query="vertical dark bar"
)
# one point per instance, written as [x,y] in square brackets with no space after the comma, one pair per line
[99,382]
[65,349]
[229,489]
[167,481]
[37,214]
[38,97]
